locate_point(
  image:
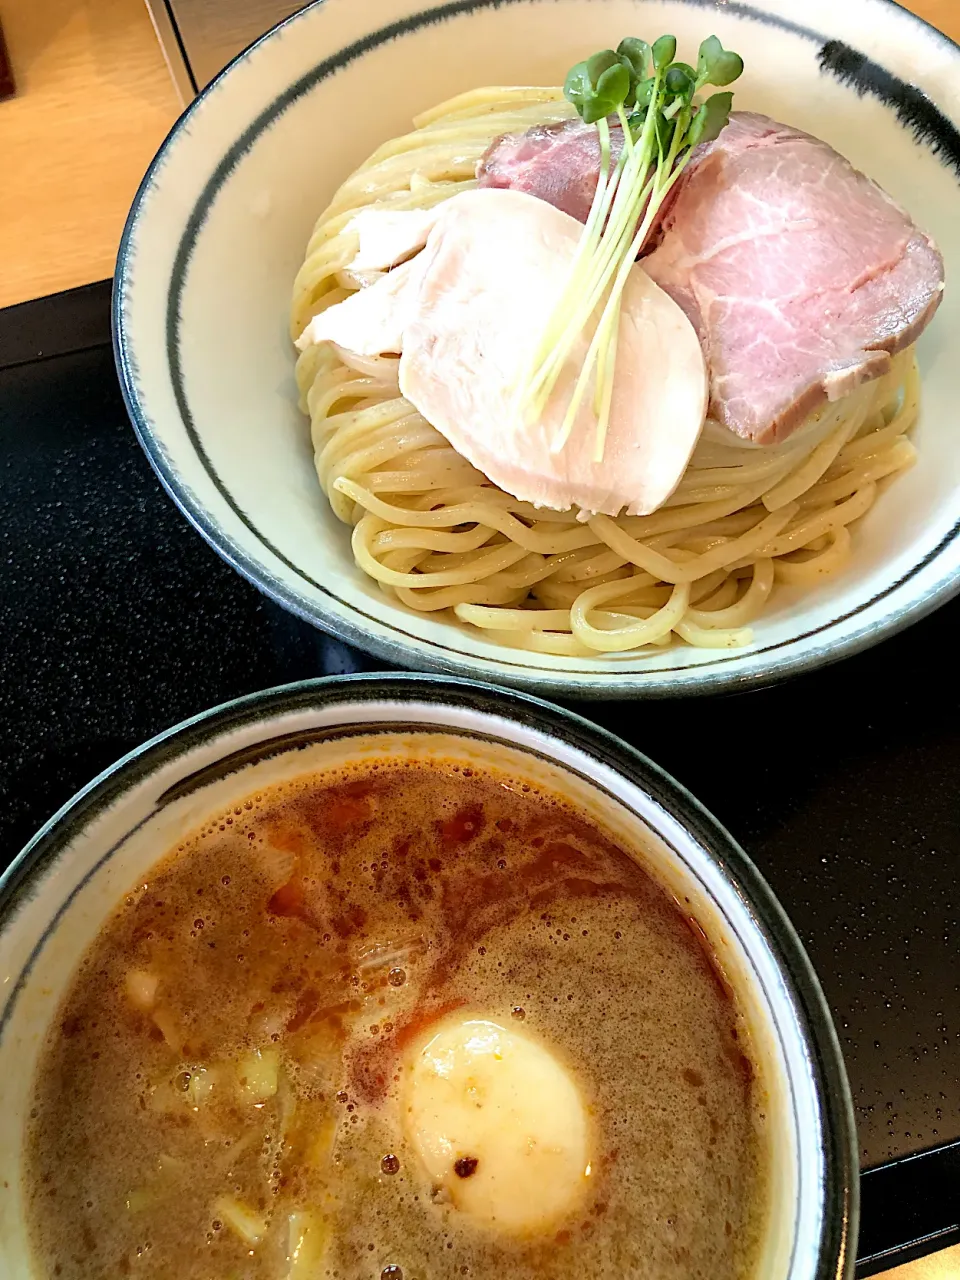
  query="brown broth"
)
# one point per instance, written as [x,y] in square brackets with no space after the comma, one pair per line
[326,922]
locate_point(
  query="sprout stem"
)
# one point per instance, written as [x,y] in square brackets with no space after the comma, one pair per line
[625,205]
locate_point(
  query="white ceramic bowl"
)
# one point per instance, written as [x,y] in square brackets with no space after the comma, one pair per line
[219,227]
[56,896]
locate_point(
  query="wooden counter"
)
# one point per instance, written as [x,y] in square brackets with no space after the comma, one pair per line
[94,101]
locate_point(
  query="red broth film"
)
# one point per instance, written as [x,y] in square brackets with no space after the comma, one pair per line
[408,1019]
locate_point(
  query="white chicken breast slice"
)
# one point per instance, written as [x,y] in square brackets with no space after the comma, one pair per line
[387,236]
[472,308]
[372,321]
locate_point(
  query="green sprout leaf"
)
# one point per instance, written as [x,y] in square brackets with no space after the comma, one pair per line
[665,129]
[599,63]
[613,88]
[577,87]
[636,53]
[711,119]
[686,68]
[664,52]
[599,86]
[644,93]
[680,80]
[717,65]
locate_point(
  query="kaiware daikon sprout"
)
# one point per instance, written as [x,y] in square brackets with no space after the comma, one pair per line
[654,99]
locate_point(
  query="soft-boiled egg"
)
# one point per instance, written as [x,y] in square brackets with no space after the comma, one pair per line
[498,1123]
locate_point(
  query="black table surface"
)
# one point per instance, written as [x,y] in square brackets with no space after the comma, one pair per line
[117,621]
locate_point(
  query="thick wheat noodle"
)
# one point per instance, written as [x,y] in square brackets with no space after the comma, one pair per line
[806,476]
[435,533]
[803,573]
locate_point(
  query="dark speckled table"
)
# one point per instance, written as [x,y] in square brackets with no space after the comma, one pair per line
[117,621]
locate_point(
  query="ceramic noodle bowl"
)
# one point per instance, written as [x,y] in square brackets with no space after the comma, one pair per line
[219,229]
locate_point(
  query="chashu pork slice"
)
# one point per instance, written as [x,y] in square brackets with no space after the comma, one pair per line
[472,308]
[801,275]
[559,163]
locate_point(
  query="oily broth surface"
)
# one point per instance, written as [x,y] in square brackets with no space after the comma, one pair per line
[327,922]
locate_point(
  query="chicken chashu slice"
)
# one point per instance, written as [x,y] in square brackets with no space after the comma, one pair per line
[467,316]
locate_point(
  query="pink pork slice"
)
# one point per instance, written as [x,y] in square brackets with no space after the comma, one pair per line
[801,276]
[559,163]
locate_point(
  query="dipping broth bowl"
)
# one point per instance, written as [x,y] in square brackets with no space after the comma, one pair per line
[67,882]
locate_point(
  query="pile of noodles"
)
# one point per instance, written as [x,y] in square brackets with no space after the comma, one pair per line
[434,531]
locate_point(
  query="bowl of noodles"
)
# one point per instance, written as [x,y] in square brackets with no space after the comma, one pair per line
[492,369]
